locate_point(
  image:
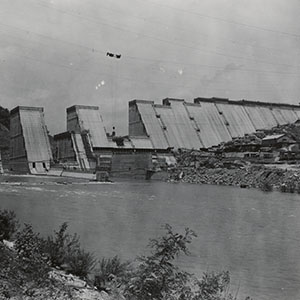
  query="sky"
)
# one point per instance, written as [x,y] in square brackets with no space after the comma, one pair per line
[53,53]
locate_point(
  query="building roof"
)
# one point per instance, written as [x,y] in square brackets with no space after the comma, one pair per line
[141,143]
[135,142]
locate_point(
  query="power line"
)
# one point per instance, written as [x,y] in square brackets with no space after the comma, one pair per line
[160,39]
[64,66]
[51,38]
[112,75]
[96,50]
[226,20]
[181,29]
[81,70]
[120,77]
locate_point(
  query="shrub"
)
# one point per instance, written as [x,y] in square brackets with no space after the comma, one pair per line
[157,276]
[266,186]
[6,257]
[289,187]
[283,188]
[33,260]
[58,246]
[298,188]
[8,224]
[64,250]
[80,262]
[212,286]
[111,273]
[9,273]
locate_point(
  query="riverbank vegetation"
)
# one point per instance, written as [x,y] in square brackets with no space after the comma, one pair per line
[57,267]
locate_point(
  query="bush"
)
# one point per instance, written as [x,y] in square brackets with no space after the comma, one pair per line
[9,273]
[58,246]
[266,186]
[25,270]
[33,260]
[8,224]
[80,263]
[298,188]
[157,276]
[64,250]
[289,187]
[212,286]
[111,273]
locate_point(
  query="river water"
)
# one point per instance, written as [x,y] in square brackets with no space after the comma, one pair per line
[254,235]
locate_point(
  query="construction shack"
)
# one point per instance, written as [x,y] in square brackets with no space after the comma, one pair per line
[205,123]
[30,150]
[277,141]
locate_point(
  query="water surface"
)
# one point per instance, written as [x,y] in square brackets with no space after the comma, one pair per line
[252,234]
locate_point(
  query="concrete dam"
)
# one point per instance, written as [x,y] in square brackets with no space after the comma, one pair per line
[207,122]
[30,149]
[154,130]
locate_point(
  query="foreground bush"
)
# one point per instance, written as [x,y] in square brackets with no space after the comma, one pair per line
[111,273]
[25,270]
[8,224]
[80,263]
[29,247]
[64,250]
[157,276]
[213,286]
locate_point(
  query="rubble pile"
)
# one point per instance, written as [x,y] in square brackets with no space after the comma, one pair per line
[236,143]
[197,167]
[212,166]
[255,139]
[291,130]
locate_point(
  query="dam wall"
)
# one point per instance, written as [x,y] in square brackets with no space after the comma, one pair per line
[206,122]
[30,149]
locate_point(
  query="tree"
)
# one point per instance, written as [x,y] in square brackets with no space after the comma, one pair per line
[156,276]
[64,250]
[8,224]
[4,117]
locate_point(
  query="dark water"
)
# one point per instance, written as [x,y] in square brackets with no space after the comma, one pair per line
[254,235]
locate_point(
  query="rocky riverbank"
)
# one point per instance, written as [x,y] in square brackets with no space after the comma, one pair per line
[192,168]
[16,284]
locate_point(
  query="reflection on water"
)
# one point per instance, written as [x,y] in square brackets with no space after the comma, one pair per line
[252,234]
